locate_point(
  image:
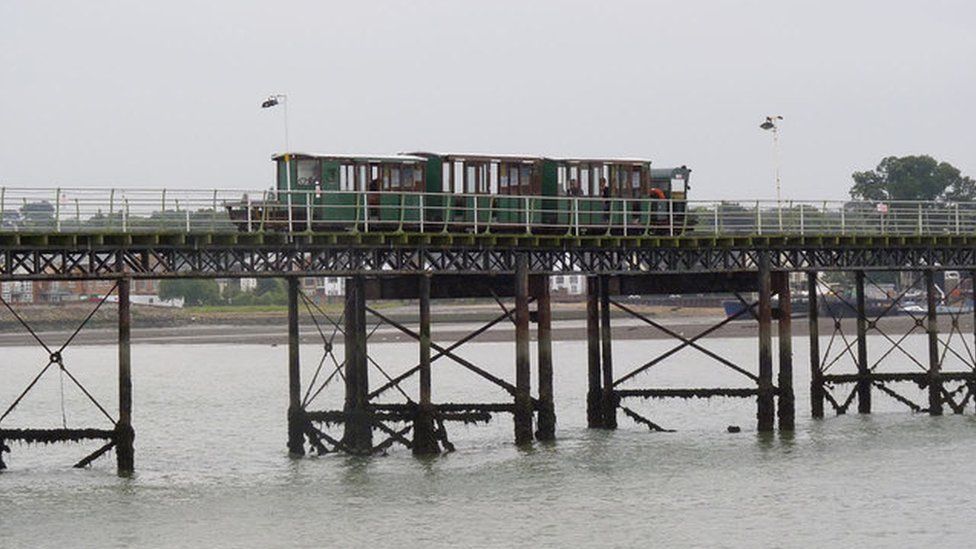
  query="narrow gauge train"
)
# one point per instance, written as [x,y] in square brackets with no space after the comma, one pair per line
[433,192]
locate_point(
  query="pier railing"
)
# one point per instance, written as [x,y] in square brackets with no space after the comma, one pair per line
[92,210]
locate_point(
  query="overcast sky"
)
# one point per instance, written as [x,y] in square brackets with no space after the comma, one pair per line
[167,93]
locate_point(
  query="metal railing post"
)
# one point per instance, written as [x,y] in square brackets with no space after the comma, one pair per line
[187,220]
[57,209]
[843,220]
[623,210]
[528,220]
[475,201]
[717,220]
[308,211]
[421,202]
[213,212]
[957,218]
[250,228]
[125,215]
[802,225]
[365,211]
[576,202]
[919,218]
[671,217]
[3,203]
[758,219]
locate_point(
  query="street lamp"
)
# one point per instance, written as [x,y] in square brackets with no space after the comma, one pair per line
[274,100]
[771,125]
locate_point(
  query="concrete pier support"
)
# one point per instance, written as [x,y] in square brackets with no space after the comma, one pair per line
[784,336]
[863,368]
[124,434]
[932,329]
[816,374]
[424,439]
[358,434]
[296,415]
[609,400]
[523,372]
[594,394]
[766,408]
[546,424]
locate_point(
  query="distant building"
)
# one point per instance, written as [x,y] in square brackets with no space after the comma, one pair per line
[568,285]
[323,288]
[66,291]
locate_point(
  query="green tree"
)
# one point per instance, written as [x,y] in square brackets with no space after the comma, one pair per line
[913,178]
[194,292]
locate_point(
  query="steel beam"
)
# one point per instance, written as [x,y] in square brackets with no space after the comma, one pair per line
[594,394]
[863,368]
[523,389]
[358,432]
[124,434]
[424,440]
[296,414]
[546,428]
[784,336]
[932,329]
[816,374]
[609,400]
[765,405]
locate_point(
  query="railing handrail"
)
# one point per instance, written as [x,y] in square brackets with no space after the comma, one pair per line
[68,209]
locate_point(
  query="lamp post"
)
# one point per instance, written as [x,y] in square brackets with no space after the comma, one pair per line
[272,101]
[771,125]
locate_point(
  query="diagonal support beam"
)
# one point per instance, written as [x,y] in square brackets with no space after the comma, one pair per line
[462,361]
[674,350]
[682,338]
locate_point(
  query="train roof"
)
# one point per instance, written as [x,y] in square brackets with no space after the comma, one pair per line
[369,158]
[604,160]
[670,172]
[485,157]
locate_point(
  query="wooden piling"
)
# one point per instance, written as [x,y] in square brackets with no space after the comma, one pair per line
[424,439]
[124,434]
[784,335]
[546,424]
[296,414]
[594,394]
[523,389]
[816,374]
[358,433]
[609,400]
[765,405]
[932,329]
[863,368]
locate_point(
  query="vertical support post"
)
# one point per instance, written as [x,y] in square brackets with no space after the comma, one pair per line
[609,400]
[594,394]
[424,440]
[358,433]
[816,374]
[863,372]
[784,335]
[546,424]
[932,328]
[124,434]
[765,406]
[296,415]
[523,394]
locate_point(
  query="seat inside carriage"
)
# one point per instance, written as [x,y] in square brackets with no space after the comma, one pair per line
[468,193]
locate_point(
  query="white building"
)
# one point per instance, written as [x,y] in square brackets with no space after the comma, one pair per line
[574,284]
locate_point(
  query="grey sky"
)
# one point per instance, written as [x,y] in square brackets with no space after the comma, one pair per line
[167,93]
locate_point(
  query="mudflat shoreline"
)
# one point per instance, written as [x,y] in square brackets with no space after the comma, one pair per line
[567,328]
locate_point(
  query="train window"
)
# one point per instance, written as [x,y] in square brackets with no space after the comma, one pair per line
[309,174]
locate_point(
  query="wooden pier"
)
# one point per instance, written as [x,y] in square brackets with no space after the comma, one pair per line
[515,271]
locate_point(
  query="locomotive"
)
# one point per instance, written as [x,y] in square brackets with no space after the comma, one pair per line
[468,193]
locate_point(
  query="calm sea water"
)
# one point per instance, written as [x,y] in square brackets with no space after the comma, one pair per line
[213,472]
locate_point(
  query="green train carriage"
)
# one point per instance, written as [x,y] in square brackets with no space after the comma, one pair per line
[456,192]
